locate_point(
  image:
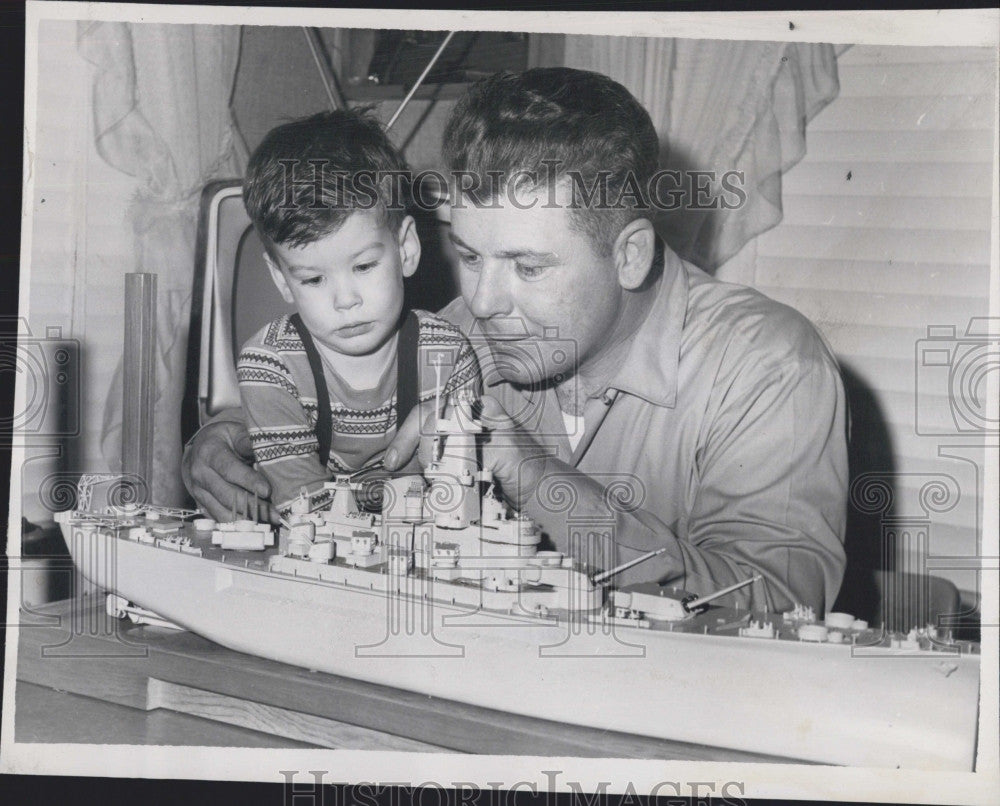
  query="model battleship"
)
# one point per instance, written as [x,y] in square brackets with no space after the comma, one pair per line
[445,592]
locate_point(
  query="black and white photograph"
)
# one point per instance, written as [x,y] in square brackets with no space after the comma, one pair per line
[573,402]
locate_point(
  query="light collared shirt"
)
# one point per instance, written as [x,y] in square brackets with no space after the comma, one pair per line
[722,438]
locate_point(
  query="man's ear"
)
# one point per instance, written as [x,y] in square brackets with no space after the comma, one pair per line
[409,246]
[279,280]
[633,253]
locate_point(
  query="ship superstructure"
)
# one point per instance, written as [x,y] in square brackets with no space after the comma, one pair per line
[444,528]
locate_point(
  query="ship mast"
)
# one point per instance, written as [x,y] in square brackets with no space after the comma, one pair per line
[436,361]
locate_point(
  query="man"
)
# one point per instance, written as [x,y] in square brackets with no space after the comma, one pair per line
[634,403]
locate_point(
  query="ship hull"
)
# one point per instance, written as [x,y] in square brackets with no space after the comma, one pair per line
[831,704]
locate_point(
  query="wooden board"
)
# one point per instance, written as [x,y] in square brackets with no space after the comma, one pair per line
[46,716]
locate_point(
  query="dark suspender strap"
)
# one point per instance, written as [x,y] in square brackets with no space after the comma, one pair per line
[407,369]
[324,416]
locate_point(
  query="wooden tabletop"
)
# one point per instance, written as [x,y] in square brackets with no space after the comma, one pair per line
[49,716]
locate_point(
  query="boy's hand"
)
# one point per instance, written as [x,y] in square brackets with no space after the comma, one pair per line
[216,470]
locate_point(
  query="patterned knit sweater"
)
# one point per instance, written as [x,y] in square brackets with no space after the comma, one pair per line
[279,400]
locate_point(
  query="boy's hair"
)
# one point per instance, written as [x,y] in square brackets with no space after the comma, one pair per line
[515,123]
[307,176]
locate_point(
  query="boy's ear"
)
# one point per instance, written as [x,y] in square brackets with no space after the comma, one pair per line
[409,246]
[279,280]
[633,253]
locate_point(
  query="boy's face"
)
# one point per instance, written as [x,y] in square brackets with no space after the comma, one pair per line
[348,285]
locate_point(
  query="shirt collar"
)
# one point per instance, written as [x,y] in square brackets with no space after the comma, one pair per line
[649,370]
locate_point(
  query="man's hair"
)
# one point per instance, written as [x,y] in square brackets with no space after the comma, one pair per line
[307,176]
[514,123]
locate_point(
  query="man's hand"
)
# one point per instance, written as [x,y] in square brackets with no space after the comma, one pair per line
[216,470]
[516,460]
[411,448]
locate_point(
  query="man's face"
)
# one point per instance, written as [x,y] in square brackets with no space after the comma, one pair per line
[348,285]
[545,298]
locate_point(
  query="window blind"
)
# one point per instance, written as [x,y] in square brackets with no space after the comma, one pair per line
[886,233]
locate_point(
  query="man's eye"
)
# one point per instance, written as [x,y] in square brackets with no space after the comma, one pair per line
[365,267]
[530,272]
[469,260]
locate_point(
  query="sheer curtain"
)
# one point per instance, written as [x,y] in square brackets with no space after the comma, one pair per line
[161,114]
[720,106]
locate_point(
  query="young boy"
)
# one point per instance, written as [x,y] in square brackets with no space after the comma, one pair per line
[324,389]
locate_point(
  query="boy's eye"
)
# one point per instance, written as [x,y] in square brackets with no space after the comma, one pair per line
[365,267]
[312,280]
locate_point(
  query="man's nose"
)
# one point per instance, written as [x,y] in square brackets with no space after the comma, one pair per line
[490,297]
